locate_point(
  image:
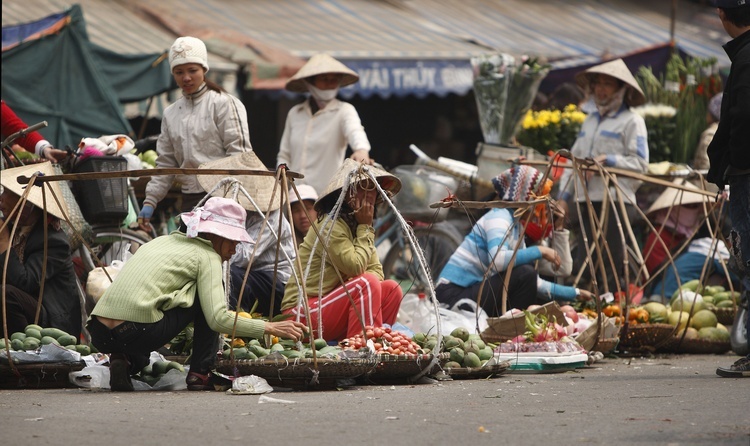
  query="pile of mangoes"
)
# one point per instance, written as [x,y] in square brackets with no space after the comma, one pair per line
[34,336]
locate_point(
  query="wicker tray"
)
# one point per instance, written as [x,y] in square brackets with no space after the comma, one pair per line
[606,346]
[299,373]
[696,346]
[645,337]
[725,316]
[403,367]
[478,372]
[44,375]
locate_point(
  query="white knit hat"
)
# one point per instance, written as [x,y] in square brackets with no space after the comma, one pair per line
[188,50]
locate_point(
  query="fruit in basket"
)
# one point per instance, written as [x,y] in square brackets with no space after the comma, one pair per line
[18,335]
[704,318]
[472,360]
[457,354]
[460,333]
[17,344]
[688,301]
[33,333]
[31,343]
[679,319]
[67,339]
[713,334]
[657,312]
[692,333]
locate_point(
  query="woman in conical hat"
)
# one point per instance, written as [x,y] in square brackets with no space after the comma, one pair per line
[61,307]
[614,136]
[491,244]
[318,130]
[349,240]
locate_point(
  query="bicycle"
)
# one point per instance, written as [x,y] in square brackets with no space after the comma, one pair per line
[438,239]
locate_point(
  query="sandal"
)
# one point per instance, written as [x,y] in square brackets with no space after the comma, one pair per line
[196,381]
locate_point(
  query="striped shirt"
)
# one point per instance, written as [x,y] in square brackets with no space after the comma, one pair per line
[490,244]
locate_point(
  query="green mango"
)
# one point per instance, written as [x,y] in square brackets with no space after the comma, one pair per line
[49,340]
[33,333]
[67,339]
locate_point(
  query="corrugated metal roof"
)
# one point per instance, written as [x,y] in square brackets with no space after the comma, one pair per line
[402,29]
[576,28]
[109,23]
[345,29]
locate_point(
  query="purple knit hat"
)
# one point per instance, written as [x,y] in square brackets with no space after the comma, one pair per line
[518,183]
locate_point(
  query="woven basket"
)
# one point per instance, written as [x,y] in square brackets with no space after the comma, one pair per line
[401,367]
[725,316]
[695,346]
[645,337]
[478,372]
[45,375]
[606,346]
[300,372]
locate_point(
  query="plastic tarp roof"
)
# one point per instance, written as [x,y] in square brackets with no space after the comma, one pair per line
[77,87]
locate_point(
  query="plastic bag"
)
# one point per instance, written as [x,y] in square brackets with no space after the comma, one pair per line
[97,377]
[98,282]
[249,385]
[416,313]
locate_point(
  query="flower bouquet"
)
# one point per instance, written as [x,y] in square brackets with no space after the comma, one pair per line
[687,85]
[662,130]
[504,89]
[551,130]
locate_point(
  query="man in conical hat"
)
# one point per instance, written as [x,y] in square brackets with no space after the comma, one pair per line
[24,252]
[318,130]
[615,137]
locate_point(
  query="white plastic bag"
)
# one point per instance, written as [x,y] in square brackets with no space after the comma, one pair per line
[98,282]
[417,313]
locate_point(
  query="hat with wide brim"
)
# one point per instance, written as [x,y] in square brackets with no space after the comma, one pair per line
[617,69]
[320,64]
[219,216]
[676,197]
[259,187]
[389,182]
[9,181]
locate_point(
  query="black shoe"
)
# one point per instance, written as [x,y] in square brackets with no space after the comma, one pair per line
[740,369]
[119,375]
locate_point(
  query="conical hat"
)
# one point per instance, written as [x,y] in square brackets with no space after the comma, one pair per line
[8,181]
[676,197]
[320,64]
[617,69]
[259,187]
[389,182]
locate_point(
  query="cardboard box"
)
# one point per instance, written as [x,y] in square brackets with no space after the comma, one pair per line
[505,328]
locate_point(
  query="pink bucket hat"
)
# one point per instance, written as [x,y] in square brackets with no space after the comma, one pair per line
[219,216]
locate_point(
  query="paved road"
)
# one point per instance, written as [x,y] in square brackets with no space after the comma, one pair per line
[670,399]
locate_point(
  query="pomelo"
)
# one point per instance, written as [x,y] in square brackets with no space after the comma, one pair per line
[703,318]
[678,319]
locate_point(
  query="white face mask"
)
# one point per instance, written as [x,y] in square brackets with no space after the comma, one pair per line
[322,95]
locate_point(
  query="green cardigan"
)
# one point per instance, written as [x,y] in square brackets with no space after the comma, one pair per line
[166,273]
[351,255]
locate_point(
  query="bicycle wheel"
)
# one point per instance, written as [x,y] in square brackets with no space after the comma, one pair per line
[112,243]
[437,242]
